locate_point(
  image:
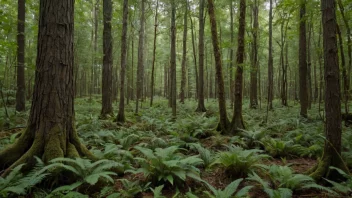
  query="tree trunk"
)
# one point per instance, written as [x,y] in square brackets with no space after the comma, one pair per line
[333,128]
[154,53]
[107,61]
[224,123]
[344,73]
[237,119]
[309,66]
[121,114]
[254,59]
[232,83]
[50,132]
[270,60]
[140,69]
[303,92]
[184,56]
[21,85]
[173,58]
[201,106]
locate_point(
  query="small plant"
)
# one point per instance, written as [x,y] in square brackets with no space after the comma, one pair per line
[228,191]
[157,192]
[17,183]
[167,165]
[282,177]
[280,148]
[343,187]
[239,162]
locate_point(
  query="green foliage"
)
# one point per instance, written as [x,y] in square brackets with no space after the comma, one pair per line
[167,165]
[228,191]
[16,183]
[282,177]
[343,187]
[85,170]
[281,148]
[239,162]
[157,192]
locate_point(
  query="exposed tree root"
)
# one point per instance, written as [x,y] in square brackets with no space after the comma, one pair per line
[47,145]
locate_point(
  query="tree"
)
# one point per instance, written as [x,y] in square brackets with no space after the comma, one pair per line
[333,128]
[254,60]
[303,92]
[224,123]
[107,61]
[140,69]
[121,114]
[270,60]
[237,119]
[21,92]
[201,106]
[50,132]
[173,58]
[184,56]
[154,53]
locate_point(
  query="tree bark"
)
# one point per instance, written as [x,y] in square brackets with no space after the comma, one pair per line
[224,123]
[50,132]
[107,61]
[254,59]
[303,92]
[237,119]
[121,114]
[270,60]
[140,70]
[21,85]
[201,106]
[333,128]
[184,56]
[173,58]
[154,53]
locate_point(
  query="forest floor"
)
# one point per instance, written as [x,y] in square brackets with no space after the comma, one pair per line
[160,157]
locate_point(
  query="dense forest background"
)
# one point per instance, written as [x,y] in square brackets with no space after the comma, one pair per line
[175,98]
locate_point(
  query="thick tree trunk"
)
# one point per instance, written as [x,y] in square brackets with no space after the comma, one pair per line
[50,132]
[184,56]
[140,70]
[253,103]
[107,61]
[303,92]
[237,119]
[201,106]
[224,123]
[333,128]
[21,85]
[121,114]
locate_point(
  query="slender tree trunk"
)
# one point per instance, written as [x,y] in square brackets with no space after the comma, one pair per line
[224,123]
[333,128]
[201,106]
[21,82]
[344,73]
[237,119]
[254,59]
[173,58]
[140,70]
[107,61]
[303,89]
[121,114]
[184,56]
[309,66]
[154,53]
[270,60]
[95,60]
[194,56]
[232,83]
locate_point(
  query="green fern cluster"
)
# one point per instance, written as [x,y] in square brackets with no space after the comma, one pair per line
[238,162]
[167,165]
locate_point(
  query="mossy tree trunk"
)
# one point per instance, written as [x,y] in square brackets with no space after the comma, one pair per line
[237,120]
[303,81]
[184,55]
[201,105]
[107,61]
[224,124]
[173,59]
[50,132]
[21,92]
[333,128]
[254,59]
[140,67]
[121,114]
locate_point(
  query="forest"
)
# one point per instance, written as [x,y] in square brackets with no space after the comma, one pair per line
[175,98]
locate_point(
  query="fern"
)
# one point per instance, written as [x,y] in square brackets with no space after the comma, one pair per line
[228,191]
[157,192]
